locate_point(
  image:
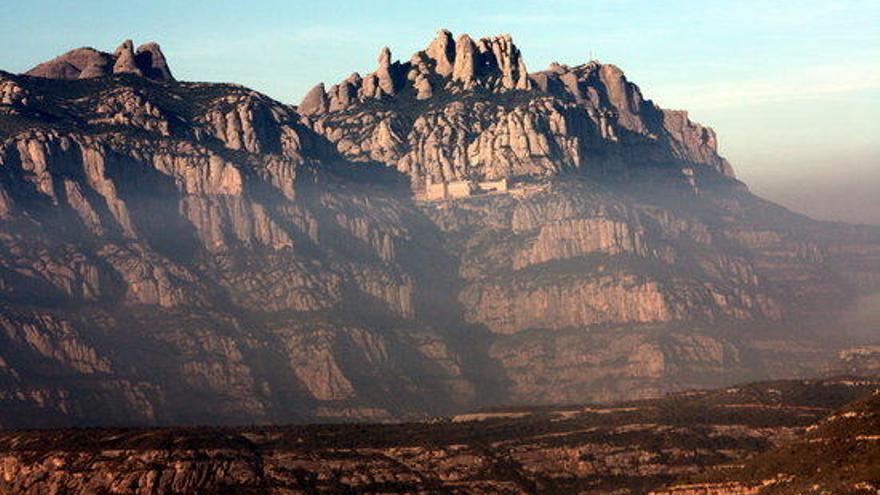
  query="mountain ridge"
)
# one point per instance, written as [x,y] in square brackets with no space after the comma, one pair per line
[575,117]
[87,62]
[608,102]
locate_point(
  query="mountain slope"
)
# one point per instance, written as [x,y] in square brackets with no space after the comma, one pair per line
[175,252]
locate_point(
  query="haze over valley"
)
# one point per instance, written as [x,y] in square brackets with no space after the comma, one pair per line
[441,270]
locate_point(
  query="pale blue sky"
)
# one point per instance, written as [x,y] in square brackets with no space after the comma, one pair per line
[791,87]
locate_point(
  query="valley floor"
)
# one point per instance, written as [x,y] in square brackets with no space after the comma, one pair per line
[694,442]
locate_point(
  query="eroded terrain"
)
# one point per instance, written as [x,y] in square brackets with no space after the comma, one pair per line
[670,445]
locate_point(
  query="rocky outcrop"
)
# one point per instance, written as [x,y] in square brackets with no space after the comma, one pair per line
[616,297]
[251,122]
[11,94]
[494,64]
[478,113]
[621,113]
[442,51]
[85,63]
[78,63]
[125,62]
[151,61]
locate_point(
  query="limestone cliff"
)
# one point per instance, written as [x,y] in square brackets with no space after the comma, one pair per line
[176,252]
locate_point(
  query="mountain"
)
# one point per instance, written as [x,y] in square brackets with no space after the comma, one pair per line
[444,234]
[83,63]
[627,448]
[469,109]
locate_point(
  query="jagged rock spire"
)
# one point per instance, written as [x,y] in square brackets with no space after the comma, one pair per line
[83,63]
[125,61]
[442,52]
[384,76]
[508,61]
[315,101]
[465,68]
[491,63]
[151,61]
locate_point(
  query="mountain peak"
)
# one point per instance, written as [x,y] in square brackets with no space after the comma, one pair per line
[442,52]
[86,62]
[495,120]
[493,63]
[151,60]
[125,60]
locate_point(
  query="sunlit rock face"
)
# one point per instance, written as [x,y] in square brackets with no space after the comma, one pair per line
[464,108]
[177,252]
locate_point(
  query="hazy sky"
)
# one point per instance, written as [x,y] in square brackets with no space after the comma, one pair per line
[791,87]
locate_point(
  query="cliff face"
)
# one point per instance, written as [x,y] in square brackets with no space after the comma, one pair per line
[186,235]
[177,252]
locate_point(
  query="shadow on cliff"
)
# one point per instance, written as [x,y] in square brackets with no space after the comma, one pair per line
[437,268]
[417,252]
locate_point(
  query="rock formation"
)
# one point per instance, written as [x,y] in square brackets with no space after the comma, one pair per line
[200,253]
[86,63]
[479,113]
[125,61]
[150,59]
[493,64]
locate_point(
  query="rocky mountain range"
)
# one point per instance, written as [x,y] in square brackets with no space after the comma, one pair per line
[464,109]
[198,253]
